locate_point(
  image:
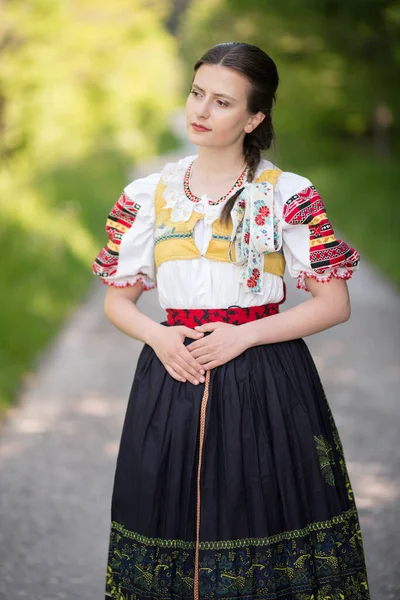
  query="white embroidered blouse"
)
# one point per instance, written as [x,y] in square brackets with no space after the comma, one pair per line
[302,231]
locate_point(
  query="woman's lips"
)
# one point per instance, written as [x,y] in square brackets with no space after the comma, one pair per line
[199,127]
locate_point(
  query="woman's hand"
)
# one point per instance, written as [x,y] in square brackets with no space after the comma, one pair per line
[222,345]
[168,344]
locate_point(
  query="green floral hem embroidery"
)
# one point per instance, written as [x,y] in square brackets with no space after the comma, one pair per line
[326,458]
[323,561]
[339,449]
[239,543]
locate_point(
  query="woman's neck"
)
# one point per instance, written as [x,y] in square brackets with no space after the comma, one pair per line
[219,163]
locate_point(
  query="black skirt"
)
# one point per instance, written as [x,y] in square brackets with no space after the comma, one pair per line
[274,513]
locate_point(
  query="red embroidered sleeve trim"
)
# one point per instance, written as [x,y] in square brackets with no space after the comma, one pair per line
[337,273]
[146,282]
[307,208]
[121,218]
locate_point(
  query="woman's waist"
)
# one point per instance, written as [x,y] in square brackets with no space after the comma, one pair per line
[197,288]
[233,314]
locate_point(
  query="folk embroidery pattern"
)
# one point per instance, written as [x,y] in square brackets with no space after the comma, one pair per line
[256,231]
[323,561]
[170,234]
[233,315]
[339,449]
[327,254]
[194,198]
[326,459]
[121,218]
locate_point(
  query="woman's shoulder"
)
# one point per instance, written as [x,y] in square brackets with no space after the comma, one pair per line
[145,185]
[290,184]
[287,183]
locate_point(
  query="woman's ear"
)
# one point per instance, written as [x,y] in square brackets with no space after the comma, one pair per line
[254,121]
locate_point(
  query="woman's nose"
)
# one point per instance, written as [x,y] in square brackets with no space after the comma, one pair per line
[202,109]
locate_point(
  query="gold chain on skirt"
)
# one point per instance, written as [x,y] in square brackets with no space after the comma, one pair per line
[202,428]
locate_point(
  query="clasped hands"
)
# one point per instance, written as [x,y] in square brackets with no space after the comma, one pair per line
[190,362]
[223,344]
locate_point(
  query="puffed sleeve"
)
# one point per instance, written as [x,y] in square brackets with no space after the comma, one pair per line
[308,240]
[128,256]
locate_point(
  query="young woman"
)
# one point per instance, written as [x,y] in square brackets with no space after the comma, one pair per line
[231,480]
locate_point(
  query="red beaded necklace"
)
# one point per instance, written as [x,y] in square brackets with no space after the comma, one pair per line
[194,198]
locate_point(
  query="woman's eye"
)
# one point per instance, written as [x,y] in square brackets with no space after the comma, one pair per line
[221,102]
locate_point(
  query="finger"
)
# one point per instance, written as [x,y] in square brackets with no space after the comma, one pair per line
[181,372]
[174,374]
[203,345]
[191,369]
[182,368]
[206,358]
[207,327]
[188,370]
[197,352]
[190,361]
[191,333]
[197,344]
[211,365]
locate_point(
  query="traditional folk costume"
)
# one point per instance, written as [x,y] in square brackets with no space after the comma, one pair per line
[236,488]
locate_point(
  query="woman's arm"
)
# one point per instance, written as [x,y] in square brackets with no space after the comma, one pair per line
[329,306]
[167,342]
[121,310]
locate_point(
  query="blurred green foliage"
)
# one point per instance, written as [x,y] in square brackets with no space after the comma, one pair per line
[80,73]
[344,56]
[337,112]
[86,89]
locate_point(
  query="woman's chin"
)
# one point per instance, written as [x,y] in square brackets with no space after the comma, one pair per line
[197,140]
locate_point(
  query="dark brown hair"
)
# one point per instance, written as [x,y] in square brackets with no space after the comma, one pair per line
[261,72]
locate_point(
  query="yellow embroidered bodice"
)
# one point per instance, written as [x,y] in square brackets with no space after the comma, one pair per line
[174,240]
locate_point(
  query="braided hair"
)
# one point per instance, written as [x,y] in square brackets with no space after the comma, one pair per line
[261,71]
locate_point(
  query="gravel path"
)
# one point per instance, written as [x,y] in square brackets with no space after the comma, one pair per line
[58,447]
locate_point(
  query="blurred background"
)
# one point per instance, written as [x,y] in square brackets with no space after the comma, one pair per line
[86,91]
[92,95]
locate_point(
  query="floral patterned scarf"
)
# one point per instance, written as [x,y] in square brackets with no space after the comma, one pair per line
[257,229]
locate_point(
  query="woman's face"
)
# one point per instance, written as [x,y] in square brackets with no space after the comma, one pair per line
[218,101]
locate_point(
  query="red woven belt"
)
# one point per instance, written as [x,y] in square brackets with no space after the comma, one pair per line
[235,315]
